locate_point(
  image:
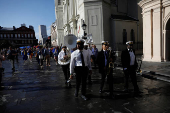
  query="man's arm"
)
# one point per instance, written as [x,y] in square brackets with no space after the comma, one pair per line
[72,65]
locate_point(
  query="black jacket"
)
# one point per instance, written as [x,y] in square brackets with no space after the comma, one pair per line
[101,59]
[125,59]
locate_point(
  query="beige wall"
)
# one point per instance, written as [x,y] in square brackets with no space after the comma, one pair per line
[161,8]
[119,26]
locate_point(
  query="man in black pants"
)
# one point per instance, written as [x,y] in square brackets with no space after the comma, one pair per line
[63,55]
[103,59]
[11,55]
[130,65]
[80,61]
[2,58]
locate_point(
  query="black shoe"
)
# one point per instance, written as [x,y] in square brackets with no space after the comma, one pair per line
[126,90]
[111,96]
[137,95]
[90,82]
[83,97]
[65,82]
[69,85]
[76,94]
[100,91]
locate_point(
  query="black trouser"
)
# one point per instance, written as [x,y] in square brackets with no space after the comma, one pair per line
[41,62]
[89,76]
[66,71]
[12,63]
[81,76]
[131,71]
[110,80]
[94,60]
[1,76]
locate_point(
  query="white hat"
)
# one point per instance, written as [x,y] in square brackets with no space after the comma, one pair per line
[64,46]
[80,41]
[129,43]
[104,43]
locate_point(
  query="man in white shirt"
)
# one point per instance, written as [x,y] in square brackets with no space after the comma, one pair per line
[63,55]
[130,65]
[90,54]
[80,62]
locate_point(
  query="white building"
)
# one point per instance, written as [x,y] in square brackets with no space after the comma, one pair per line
[156,29]
[59,21]
[42,34]
[53,34]
[116,21]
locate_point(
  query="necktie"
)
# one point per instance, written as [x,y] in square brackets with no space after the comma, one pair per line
[105,58]
[82,59]
[65,52]
[130,50]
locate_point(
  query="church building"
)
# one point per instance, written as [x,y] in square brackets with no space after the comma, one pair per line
[116,21]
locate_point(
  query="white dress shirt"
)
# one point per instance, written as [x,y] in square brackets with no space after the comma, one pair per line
[132,58]
[76,60]
[62,54]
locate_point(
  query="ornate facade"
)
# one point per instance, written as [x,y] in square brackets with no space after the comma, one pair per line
[113,20]
[156,29]
[18,37]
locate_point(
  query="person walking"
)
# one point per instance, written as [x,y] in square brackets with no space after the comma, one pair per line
[24,54]
[103,59]
[94,54]
[90,54]
[80,62]
[129,63]
[2,58]
[56,52]
[40,55]
[63,55]
[11,55]
[31,54]
[47,53]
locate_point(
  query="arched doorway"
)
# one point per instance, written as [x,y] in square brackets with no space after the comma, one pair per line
[167,35]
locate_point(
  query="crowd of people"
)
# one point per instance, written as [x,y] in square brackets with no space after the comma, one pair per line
[79,61]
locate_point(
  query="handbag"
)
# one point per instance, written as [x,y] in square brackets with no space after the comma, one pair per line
[40,56]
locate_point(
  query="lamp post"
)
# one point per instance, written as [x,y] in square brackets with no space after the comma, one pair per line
[84,28]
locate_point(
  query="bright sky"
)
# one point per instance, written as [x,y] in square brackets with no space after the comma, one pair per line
[30,12]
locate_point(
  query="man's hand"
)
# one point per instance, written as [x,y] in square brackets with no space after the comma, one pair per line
[65,57]
[71,76]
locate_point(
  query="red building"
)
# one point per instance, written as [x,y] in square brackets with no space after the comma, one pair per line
[18,37]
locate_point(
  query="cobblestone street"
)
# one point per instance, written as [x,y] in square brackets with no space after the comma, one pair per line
[31,89]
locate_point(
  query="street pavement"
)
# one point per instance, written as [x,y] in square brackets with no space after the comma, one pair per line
[31,89]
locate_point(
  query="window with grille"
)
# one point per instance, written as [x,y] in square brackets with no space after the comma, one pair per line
[59,2]
[132,35]
[124,36]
